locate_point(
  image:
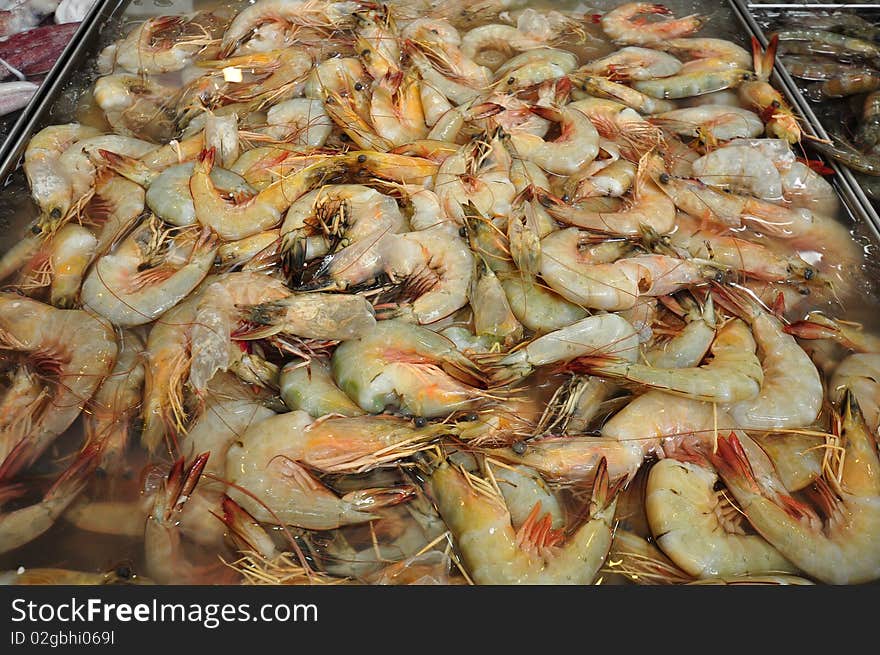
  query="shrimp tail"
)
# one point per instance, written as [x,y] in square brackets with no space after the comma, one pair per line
[129,167]
[604,493]
[599,364]
[763,59]
[735,301]
[373,499]
[733,465]
[812,329]
[245,530]
[182,481]
[537,533]
[74,478]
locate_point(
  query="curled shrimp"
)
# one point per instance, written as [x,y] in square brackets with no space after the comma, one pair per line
[71,352]
[576,145]
[791,392]
[299,122]
[625,24]
[494,553]
[332,214]
[841,549]
[161,45]
[396,109]
[259,212]
[602,333]
[624,126]
[270,463]
[46,176]
[733,374]
[649,207]
[477,174]
[134,106]
[148,273]
[406,367]
[271,24]
[697,527]
[598,277]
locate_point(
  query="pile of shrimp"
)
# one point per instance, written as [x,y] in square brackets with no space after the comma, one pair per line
[836,56]
[344,292]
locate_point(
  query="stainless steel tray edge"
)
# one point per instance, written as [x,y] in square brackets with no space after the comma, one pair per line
[857,203]
[73,54]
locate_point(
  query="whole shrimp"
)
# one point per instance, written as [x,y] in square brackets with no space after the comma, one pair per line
[791,391]
[71,352]
[698,529]
[407,367]
[734,373]
[494,553]
[273,458]
[602,333]
[597,277]
[148,273]
[841,549]
[625,24]
[649,206]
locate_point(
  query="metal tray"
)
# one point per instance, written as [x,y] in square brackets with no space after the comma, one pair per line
[854,198]
[13,125]
[56,101]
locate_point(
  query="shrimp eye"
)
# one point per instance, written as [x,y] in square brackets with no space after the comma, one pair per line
[519,447]
[358,86]
[804,291]
[123,572]
[55,213]
[420,421]
[434,31]
[362,159]
[471,416]
[511,80]
[462,231]
[36,229]
[809,273]
[565,198]
[365,53]
[664,178]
